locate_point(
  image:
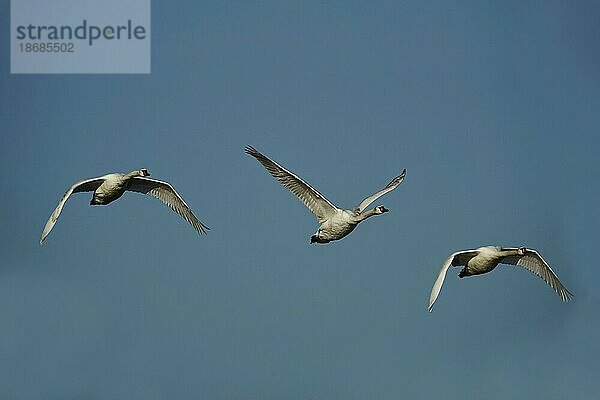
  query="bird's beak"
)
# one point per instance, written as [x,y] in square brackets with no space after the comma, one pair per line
[383,209]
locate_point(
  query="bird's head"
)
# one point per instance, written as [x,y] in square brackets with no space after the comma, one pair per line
[522,251]
[380,209]
[144,172]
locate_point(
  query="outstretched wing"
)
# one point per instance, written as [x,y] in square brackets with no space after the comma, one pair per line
[88,185]
[167,194]
[390,186]
[315,201]
[533,262]
[456,259]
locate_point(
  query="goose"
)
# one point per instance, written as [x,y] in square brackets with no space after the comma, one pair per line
[109,188]
[335,223]
[486,258]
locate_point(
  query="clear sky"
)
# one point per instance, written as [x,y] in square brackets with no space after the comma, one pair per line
[492,108]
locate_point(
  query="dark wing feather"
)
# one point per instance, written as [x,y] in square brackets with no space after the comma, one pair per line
[461,259]
[315,201]
[533,262]
[167,194]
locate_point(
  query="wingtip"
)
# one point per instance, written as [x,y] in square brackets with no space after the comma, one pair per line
[202,229]
[397,180]
[250,150]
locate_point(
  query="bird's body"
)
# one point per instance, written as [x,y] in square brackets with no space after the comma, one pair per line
[341,223]
[485,259]
[338,225]
[110,187]
[334,222]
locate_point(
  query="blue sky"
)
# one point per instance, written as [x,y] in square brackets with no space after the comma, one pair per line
[492,109]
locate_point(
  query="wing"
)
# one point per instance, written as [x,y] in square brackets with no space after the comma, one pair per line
[167,194]
[88,185]
[455,260]
[315,201]
[533,262]
[390,186]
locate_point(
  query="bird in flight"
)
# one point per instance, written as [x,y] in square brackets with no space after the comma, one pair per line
[335,223]
[109,188]
[485,259]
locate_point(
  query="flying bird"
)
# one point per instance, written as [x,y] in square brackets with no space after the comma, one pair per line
[109,188]
[335,223]
[485,259]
